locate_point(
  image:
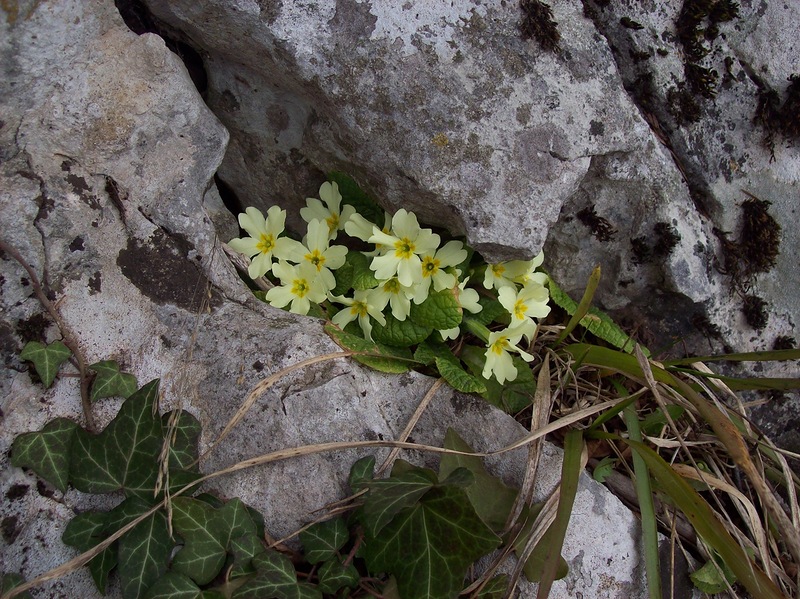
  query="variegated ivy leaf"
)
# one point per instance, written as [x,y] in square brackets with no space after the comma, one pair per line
[144,555]
[46,358]
[46,452]
[110,382]
[324,539]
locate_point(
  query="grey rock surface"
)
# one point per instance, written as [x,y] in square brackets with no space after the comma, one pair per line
[108,156]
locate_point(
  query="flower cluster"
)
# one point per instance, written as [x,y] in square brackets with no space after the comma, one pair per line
[406,264]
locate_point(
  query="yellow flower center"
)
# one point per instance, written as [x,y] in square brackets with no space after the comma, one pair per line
[316,258]
[500,344]
[392,286]
[404,248]
[498,270]
[300,287]
[430,266]
[333,222]
[359,308]
[519,309]
[266,243]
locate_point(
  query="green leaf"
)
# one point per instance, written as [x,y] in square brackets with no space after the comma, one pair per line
[490,496]
[275,577]
[353,195]
[604,468]
[389,496]
[512,396]
[110,382]
[344,276]
[491,311]
[173,586]
[46,452]
[430,545]
[46,358]
[333,575]
[237,521]
[534,566]
[399,333]
[457,377]
[84,532]
[324,539]
[427,352]
[143,555]
[363,277]
[713,578]
[439,311]
[204,535]
[12,581]
[183,443]
[654,423]
[125,455]
[361,473]
[495,588]
[380,357]
[244,549]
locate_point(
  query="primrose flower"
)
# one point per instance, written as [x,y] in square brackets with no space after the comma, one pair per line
[300,285]
[433,265]
[505,274]
[360,228]
[468,300]
[528,302]
[498,356]
[329,209]
[362,305]
[403,249]
[263,242]
[316,252]
[396,295]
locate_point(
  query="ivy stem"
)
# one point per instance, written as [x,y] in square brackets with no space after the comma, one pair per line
[476,328]
[69,338]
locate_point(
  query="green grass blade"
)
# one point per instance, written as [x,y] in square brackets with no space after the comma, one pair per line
[583,306]
[757,356]
[707,525]
[570,471]
[614,359]
[646,508]
[746,384]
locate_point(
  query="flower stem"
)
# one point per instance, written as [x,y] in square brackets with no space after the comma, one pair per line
[476,328]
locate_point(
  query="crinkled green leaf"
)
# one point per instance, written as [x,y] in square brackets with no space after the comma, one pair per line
[603,469]
[84,532]
[399,333]
[46,358]
[512,396]
[428,351]
[361,473]
[203,533]
[491,310]
[353,195]
[125,455]
[429,546]
[363,276]
[144,555]
[596,321]
[46,452]
[275,577]
[495,588]
[333,575]
[439,311]
[110,382]
[381,357]
[490,496]
[183,442]
[173,586]
[344,276]
[389,496]
[11,581]
[324,539]
[712,578]
[458,378]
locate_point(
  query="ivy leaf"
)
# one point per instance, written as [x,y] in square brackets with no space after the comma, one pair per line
[110,382]
[84,532]
[439,311]
[389,496]
[323,540]
[125,455]
[361,473]
[490,496]
[511,396]
[382,357]
[46,452]
[275,577]
[244,549]
[237,520]
[46,358]
[143,555]
[452,371]
[203,553]
[173,586]
[185,437]
[399,333]
[12,581]
[429,546]
[363,277]
[353,195]
[495,588]
[333,575]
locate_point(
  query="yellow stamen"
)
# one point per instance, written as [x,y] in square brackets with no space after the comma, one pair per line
[300,287]
[266,243]
[316,258]
[430,266]
[404,248]
[333,222]
[519,309]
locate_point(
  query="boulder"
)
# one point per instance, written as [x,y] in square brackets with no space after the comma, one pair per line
[106,191]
